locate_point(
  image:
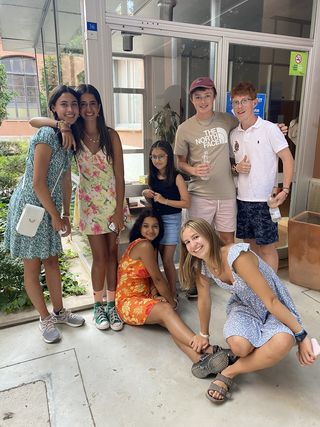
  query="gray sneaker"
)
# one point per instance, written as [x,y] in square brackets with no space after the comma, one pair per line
[116,324]
[50,333]
[70,319]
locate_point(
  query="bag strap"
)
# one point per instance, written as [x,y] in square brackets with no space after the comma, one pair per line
[55,184]
[57,180]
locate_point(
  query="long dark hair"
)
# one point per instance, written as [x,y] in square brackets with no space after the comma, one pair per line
[135,232]
[103,129]
[55,95]
[171,171]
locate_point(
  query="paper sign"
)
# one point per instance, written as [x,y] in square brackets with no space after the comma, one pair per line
[298,63]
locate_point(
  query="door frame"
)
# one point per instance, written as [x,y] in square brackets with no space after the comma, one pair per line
[99,72]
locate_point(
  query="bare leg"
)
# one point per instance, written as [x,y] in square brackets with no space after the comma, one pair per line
[254,360]
[227,237]
[111,261]
[33,287]
[99,257]
[53,279]
[167,254]
[163,314]
[267,252]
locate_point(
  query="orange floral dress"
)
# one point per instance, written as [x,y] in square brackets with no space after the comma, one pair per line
[133,295]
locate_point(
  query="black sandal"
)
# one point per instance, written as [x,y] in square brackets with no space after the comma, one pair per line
[210,363]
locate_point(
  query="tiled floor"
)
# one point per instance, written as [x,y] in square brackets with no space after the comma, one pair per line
[138,377]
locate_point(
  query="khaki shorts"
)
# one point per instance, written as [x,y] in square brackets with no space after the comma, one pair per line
[222,214]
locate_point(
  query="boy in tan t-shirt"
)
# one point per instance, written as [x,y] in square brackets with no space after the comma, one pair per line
[206,134]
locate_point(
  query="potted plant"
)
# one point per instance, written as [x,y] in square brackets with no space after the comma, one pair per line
[165,123]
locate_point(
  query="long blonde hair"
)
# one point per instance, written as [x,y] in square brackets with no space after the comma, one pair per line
[190,266]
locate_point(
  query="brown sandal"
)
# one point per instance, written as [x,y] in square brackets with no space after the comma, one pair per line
[225,393]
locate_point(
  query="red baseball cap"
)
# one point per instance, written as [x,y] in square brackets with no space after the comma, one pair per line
[205,82]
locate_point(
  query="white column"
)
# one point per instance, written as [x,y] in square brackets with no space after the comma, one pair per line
[98,53]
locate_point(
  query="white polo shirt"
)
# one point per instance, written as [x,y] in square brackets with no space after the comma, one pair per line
[260,143]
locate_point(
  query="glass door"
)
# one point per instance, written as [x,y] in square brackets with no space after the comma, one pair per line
[151,77]
[268,69]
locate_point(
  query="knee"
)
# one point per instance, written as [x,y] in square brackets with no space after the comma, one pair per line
[51,262]
[240,346]
[166,311]
[281,343]
[99,260]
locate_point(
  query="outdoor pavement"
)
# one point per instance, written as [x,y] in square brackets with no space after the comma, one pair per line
[139,378]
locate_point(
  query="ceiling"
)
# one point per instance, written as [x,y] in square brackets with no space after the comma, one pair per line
[21,21]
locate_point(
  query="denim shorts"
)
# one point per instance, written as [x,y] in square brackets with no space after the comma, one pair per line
[172,227]
[254,222]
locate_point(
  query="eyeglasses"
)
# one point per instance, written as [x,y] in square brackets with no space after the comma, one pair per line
[242,102]
[161,157]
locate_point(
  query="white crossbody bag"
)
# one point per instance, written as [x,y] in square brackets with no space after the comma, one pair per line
[32,215]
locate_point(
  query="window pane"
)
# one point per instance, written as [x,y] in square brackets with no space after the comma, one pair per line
[29,66]
[128,73]
[129,119]
[17,65]
[133,166]
[31,81]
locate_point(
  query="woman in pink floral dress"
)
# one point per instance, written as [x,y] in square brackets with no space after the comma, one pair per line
[100,196]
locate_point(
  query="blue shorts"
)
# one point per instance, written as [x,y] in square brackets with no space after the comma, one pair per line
[254,222]
[172,226]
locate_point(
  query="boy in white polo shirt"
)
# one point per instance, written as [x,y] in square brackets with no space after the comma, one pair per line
[257,145]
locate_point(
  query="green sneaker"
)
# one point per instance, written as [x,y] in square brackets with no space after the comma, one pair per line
[116,323]
[100,317]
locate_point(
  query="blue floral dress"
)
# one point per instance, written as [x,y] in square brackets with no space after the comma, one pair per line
[47,241]
[247,316]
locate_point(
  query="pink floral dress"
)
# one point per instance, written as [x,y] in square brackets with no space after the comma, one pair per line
[96,193]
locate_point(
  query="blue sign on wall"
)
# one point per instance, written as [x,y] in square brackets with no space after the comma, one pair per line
[92,26]
[260,107]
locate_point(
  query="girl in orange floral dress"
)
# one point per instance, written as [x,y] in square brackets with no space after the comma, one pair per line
[143,295]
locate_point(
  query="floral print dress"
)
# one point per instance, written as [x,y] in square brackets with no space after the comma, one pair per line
[96,193]
[133,295]
[47,241]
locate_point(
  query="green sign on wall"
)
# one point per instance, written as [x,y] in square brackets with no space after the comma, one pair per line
[298,63]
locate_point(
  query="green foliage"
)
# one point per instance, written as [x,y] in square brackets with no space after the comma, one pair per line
[5,94]
[13,296]
[11,169]
[165,123]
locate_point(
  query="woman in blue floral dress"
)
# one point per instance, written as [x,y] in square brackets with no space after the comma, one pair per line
[47,164]
[262,322]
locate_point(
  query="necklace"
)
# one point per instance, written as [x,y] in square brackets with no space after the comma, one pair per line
[92,139]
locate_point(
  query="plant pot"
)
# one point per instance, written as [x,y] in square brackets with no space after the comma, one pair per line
[303,249]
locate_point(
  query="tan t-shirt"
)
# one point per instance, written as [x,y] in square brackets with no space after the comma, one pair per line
[192,138]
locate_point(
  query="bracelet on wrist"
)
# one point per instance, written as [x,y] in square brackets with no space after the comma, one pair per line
[300,336]
[61,124]
[65,216]
[204,335]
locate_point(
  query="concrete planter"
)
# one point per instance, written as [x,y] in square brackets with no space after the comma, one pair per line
[303,250]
